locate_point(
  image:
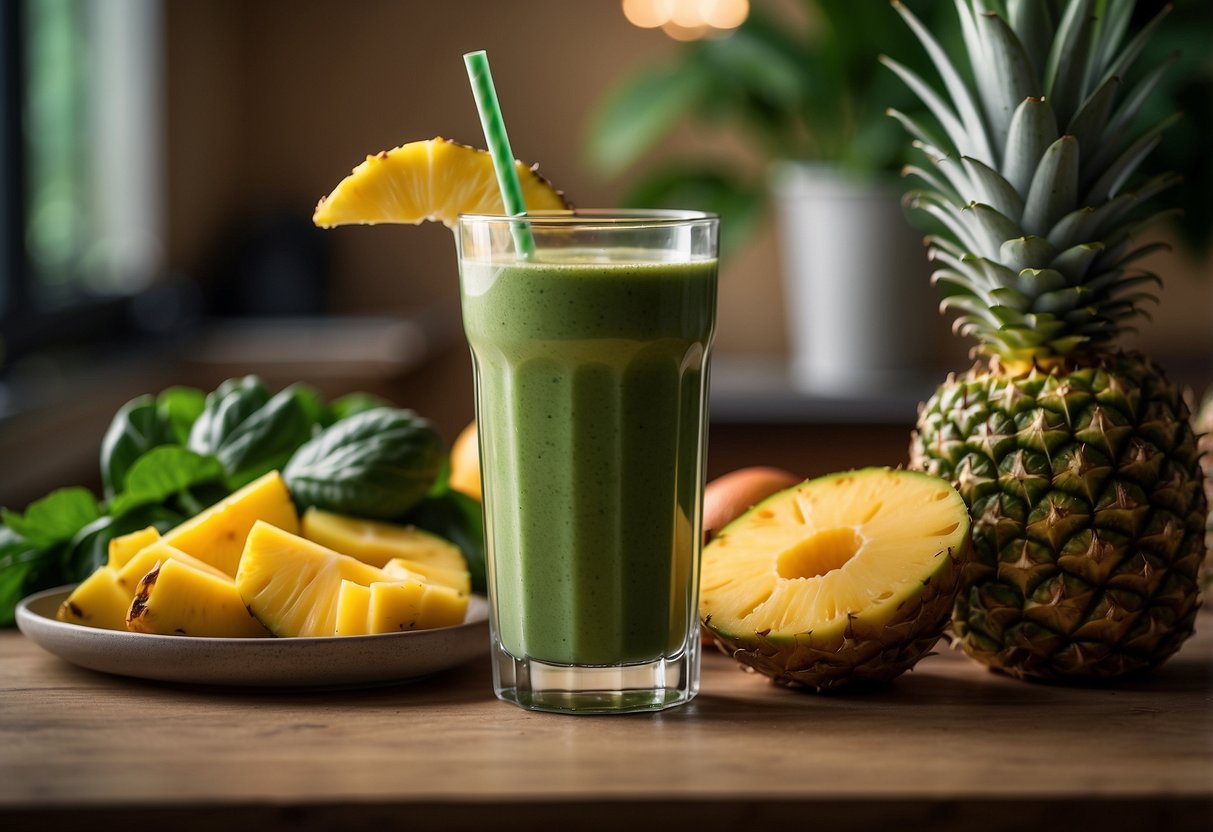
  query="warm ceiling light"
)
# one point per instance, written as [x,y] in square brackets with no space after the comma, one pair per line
[648,14]
[687,19]
[687,14]
[724,14]
[684,32]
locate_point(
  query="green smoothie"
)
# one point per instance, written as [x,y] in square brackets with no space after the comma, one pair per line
[591,371]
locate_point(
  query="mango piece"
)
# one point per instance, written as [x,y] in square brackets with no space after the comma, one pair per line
[217,535]
[179,598]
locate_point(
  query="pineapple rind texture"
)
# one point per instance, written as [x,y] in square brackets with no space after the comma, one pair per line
[1088,515]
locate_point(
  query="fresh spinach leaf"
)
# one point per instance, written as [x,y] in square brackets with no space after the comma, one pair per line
[178,409]
[162,473]
[354,403]
[318,413]
[89,549]
[24,568]
[250,432]
[55,518]
[376,464]
[135,429]
[226,407]
[459,519]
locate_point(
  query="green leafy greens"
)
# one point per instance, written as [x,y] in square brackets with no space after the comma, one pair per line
[165,458]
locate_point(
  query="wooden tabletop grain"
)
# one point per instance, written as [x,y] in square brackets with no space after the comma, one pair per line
[948,746]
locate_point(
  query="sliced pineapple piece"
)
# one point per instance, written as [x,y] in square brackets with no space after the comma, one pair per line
[122,549]
[129,576]
[428,180]
[217,535]
[292,584]
[850,577]
[459,580]
[353,609]
[376,542]
[396,606]
[179,598]
[297,587]
[413,604]
[99,601]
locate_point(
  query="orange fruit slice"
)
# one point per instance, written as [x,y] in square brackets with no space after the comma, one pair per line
[433,180]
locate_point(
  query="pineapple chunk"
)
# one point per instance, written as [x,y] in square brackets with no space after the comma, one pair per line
[291,584]
[412,604]
[297,587]
[129,576]
[122,549]
[217,535]
[377,543]
[396,605]
[99,601]
[353,609]
[459,580]
[104,598]
[179,598]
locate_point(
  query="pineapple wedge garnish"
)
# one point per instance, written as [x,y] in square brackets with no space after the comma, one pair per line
[428,180]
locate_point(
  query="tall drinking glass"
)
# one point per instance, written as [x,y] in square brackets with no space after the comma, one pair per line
[590,333]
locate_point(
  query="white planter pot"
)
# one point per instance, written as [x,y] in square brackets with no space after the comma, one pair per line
[859,305]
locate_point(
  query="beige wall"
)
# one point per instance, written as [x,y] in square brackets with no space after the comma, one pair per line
[273,101]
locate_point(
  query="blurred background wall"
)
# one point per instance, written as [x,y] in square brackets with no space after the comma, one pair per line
[270,102]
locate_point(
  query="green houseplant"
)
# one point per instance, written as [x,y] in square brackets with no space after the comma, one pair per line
[807,98]
[801,88]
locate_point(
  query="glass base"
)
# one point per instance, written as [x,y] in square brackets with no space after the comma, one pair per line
[596,689]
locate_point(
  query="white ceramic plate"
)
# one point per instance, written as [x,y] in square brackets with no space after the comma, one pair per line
[256,662]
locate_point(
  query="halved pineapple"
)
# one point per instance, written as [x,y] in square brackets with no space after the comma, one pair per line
[297,587]
[377,543]
[217,535]
[125,547]
[428,180]
[845,578]
[179,598]
[99,601]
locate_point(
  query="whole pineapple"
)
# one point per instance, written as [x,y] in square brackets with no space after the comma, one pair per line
[1077,461]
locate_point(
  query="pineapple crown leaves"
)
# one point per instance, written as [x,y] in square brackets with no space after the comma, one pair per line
[1026,166]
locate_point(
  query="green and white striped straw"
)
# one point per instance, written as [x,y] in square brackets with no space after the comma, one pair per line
[499,146]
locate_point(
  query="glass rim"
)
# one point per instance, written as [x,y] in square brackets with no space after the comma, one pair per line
[598,218]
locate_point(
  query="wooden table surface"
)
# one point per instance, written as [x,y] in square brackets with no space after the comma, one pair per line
[948,746]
